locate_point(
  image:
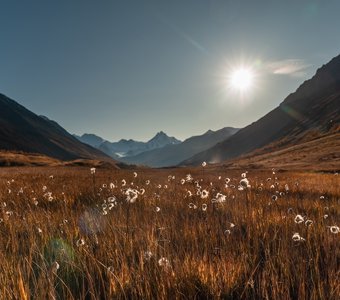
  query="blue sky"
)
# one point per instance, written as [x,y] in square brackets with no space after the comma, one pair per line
[127,69]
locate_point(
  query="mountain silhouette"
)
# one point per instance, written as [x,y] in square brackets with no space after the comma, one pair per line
[22,130]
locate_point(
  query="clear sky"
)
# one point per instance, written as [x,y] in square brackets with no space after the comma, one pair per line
[127,69]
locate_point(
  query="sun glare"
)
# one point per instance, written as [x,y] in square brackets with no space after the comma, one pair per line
[242,79]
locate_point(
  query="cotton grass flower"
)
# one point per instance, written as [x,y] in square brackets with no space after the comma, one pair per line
[204,194]
[131,195]
[192,206]
[111,205]
[334,229]
[9,213]
[80,243]
[297,238]
[244,183]
[112,199]
[93,171]
[189,178]
[164,263]
[147,255]
[219,198]
[309,223]
[299,219]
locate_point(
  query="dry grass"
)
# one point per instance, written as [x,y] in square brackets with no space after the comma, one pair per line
[11,158]
[321,152]
[103,253]
[20,159]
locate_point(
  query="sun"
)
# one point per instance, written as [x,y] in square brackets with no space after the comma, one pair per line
[242,79]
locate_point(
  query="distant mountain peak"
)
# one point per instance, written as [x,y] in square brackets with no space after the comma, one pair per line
[160,134]
[162,139]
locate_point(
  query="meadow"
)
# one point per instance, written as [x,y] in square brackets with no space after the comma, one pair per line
[201,233]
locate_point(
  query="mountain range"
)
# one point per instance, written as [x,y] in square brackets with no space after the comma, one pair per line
[312,111]
[129,147]
[173,154]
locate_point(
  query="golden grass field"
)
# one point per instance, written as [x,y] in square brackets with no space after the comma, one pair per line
[68,234]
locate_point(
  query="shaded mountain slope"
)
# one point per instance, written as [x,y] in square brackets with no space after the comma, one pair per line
[22,130]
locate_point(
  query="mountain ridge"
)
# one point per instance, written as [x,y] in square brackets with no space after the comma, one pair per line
[171,155]
[128,147]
